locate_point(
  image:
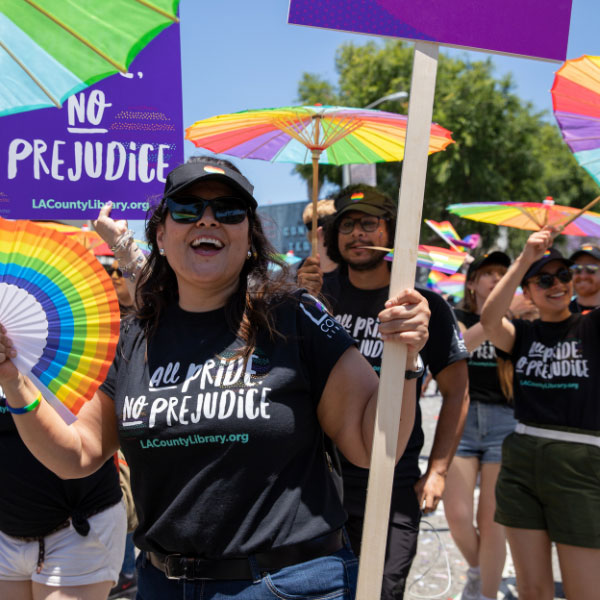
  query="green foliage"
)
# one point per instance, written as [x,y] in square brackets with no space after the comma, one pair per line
[504,150]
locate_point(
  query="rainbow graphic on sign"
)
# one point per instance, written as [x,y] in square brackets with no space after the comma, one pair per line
[59,308]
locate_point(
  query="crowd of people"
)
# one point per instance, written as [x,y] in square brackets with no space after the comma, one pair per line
[243,402]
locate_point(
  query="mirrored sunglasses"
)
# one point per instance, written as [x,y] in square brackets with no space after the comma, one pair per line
[589,269]
[228,210]
[546,280]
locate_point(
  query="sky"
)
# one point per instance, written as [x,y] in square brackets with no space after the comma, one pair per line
[239,55]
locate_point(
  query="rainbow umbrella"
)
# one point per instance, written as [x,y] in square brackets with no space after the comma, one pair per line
[60,309]
[576,101]
[334,135]
[50,50]
[531,215]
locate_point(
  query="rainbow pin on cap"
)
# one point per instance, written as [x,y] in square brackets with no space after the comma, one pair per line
[366,199]
[586,249]
[192,172]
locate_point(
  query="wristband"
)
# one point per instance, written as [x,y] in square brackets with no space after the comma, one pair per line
[24,409]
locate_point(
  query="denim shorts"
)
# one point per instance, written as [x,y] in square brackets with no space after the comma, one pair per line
[485,429]
[330,577]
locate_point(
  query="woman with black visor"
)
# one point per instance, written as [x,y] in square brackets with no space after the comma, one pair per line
[221,391]
[548,489]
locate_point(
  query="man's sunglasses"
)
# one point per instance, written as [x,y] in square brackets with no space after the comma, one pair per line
[589,269]
[546,280]
[226,209]
[367,224]
[111,271]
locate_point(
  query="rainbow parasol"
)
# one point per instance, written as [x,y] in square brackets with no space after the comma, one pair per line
[334,135]
[530,215]
[59,307]
[576,101]
[432,257]
[447,232]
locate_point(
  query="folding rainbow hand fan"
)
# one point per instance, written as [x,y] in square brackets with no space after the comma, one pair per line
[60,309]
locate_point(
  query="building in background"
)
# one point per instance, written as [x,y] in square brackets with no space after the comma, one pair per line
[284,227]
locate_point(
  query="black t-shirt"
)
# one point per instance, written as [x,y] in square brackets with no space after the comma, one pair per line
[484,384]
[556,368]
[34,501]
[356,310]
[227,461]
[575,307]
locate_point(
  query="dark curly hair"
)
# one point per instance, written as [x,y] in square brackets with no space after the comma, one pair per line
[248,309]
[331,232]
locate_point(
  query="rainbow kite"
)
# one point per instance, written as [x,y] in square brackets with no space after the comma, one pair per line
[447,232]
[60,309]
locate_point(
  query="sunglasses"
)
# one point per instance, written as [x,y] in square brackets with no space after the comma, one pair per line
[579,269]
[546,280]
[111,271]
[367,224]
[226,209]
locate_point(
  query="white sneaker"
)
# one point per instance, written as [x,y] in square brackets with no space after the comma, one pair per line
[472,588]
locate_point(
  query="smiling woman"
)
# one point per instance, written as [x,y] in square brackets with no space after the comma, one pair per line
[223,388]
[547,488]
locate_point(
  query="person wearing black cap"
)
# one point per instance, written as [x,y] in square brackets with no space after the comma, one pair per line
[356,292]
[549,483]
[586,278]
[489,421]
[221,391]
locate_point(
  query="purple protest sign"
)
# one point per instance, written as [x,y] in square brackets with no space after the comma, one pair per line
[532,28]
[116,140]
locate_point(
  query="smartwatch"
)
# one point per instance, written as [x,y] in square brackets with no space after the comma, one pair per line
[418,372]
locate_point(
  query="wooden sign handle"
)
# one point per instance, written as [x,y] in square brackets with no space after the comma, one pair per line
[389,401]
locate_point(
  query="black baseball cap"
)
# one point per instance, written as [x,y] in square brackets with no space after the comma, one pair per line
[188,173]
[550,255]
[365,199]
[590,249]
[493,258]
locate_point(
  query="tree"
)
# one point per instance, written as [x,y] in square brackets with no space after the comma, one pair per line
[504,150]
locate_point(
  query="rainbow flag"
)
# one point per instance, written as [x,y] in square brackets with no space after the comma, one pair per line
[447,232]
[438,259]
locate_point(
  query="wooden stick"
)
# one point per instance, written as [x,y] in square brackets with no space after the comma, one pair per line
[578,214]
[315,187]
[389,402]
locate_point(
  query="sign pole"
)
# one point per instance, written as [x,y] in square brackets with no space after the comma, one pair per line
[389,401]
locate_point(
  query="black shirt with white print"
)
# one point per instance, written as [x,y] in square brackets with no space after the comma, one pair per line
[484,383]
[34,501]
[557,369]
[227,460]
[356,310]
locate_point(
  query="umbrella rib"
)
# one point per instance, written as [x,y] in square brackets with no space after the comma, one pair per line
[274,135]
[529,216]
[288,127]
[159,10]
[68,29]
[31,76]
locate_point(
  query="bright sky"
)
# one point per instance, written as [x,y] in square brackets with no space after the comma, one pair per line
[240,55]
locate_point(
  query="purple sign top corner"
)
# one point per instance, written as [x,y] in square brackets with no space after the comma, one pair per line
[115,140]
[531,28]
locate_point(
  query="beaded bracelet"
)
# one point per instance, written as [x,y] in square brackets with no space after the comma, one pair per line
[25,409]
[131,268]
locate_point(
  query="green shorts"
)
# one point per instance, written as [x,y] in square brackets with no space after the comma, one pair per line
[550,485]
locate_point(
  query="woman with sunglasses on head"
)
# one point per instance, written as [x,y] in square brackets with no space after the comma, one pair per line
[549,484]
[489,420]
[222,389]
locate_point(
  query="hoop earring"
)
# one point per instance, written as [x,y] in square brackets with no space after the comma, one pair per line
[161,251]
